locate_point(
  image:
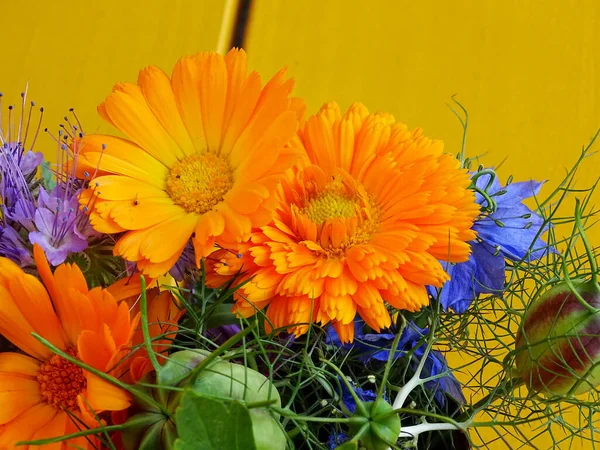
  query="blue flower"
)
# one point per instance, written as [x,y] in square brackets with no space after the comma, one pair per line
[336,439]
[365,395]
[511,231]
[377,346]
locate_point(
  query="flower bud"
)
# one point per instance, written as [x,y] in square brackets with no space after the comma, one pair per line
[149,428]
[381,426]
[558,343]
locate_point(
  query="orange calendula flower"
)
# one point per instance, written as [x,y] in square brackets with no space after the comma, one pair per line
[44,395]
[204,151]
[363,222]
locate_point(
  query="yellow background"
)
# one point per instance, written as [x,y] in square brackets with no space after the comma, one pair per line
[527,71]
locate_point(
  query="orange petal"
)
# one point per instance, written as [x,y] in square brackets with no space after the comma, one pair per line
[17,329]
[168,238]
[118,187]
[18,364]
[156,270]
[8,270]
[103,396]
[96,349]
[15,402]
[344,331]
[122,157]
[19,388]
[186,86]
[36,307]
[143,213]
[56,427]
[24,426]
[134,118]
[157,90]
[213,94]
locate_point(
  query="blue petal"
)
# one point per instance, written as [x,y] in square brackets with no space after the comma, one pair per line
[489,269]
[458,293]
[483,273]
[517,192]
[515,244]
[336,439]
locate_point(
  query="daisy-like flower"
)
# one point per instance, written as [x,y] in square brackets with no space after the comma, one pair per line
[44,395]
[204,151]
[362,223]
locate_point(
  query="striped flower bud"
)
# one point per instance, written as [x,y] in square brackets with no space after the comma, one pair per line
[558,344]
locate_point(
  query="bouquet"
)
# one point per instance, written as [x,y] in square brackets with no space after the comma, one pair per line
[231,271]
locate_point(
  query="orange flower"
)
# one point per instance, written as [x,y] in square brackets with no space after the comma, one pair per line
[163,314]
[362,223]
[205,149]
[43,395]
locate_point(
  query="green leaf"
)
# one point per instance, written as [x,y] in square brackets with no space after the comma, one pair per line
[206,423]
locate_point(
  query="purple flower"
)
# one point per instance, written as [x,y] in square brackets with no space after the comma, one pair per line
[13,247]
[61,227]
[508,231]
[18,184]
[221,333]
[186,261]
[377,346]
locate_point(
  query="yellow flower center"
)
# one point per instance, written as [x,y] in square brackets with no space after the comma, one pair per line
[199,182]
[329,205]
[359,213]
[61,381]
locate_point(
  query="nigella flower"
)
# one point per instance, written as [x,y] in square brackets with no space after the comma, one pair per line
[507,229]
[336,439]
[377,347]
[366,395]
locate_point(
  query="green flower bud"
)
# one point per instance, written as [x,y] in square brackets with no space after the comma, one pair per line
[151,428]
[376,432]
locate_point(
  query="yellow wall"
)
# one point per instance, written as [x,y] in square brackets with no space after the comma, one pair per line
[72,52]
[526,70]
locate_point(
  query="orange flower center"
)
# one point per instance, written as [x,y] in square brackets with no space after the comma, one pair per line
[199,182]
[61,381]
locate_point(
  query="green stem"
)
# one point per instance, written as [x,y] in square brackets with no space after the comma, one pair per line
[359,404]
[347,420]
[509,387]
[574,291]
[82,433]
[146,328]
[586,243]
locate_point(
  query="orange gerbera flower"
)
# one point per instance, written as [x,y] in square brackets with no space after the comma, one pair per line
[362,223]
[205,149]
[43,395]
